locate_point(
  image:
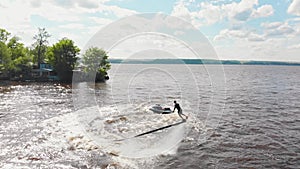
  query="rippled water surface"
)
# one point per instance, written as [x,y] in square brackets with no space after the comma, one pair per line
[252,120]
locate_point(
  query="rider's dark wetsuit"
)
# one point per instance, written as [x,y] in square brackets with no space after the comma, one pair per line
[177,106]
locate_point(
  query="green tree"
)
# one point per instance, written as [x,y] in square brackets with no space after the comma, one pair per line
[63,57]
[5,58]
[40,45]
[15,59]
[95,62]
[5,54]
[4,35]
[21,59]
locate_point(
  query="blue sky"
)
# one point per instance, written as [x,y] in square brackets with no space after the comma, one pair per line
[237,29]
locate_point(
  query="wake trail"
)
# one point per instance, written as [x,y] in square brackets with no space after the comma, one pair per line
[154,130]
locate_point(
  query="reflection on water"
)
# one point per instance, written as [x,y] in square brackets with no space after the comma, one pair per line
[23,107]
[259,127]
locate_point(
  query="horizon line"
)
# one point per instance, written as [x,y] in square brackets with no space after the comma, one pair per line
[217,60]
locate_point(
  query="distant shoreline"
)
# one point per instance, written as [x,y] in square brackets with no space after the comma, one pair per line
[201,61]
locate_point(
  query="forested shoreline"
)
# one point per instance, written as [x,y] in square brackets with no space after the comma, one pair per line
[44,62]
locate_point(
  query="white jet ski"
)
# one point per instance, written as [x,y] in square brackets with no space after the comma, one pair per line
[158,109]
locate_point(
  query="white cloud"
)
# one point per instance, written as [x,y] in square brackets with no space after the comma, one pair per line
[35,3]
[272,25]
[72,26]
[248,9]
[64,3]
[177,33]
[256,37]
[270,30]
[101,21]
[227,33]
[211,13]
[64,17]
[241,11]
[2,6]
[180,10]
[60,14]
[279,41]
[89,4]
[294,8]
[296,46]
[278,29]
[270,41]
[207,14]
[237,33]
[117,11]
[263,11]
[149,43]
[268,50]
[15,22]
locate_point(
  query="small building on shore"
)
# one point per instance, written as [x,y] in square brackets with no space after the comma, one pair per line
[3,76]
[44,73]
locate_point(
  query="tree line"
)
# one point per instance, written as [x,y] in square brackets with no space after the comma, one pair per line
[17,61]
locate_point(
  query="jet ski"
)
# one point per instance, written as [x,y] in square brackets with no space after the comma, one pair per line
[159,109]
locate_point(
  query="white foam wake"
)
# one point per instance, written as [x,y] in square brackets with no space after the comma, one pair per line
[95,128]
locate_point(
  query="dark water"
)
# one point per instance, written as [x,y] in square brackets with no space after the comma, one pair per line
[251,121]
[259,127]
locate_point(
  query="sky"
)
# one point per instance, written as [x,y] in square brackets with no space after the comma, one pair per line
[237,29]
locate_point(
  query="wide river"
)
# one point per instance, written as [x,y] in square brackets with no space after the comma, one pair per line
[239,117]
